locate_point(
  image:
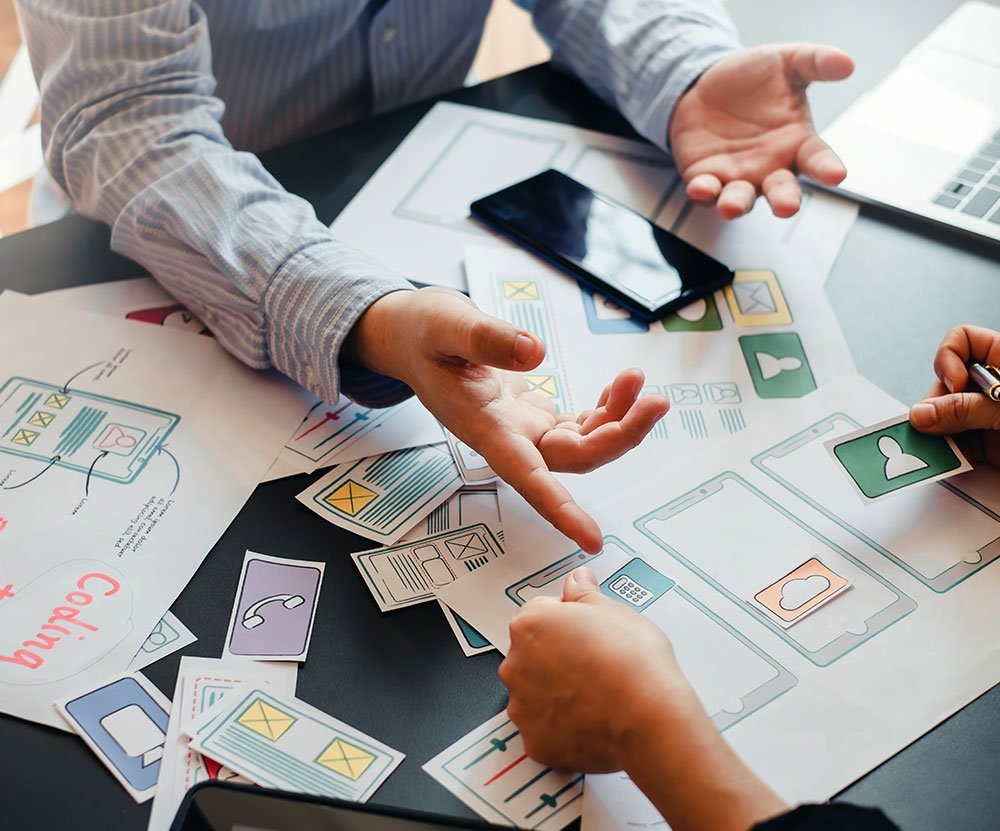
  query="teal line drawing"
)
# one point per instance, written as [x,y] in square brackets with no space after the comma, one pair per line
[659,585]
[550,147]
[824,655]
[96,435]
[817,432]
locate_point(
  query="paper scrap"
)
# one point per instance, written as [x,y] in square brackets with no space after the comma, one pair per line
[275,608]
[167,637]
[892,456]
[490,772]
[124,721]
[382,497]
[281,742]
[409,573]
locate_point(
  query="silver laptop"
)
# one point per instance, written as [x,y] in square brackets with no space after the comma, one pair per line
[927,139]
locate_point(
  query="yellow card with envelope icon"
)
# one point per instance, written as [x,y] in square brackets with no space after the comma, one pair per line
[281,742]
[755,299]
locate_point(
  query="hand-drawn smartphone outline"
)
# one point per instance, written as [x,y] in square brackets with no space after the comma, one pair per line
[133,464]
[948,579]
[598,325]
[825,655]
[756,698]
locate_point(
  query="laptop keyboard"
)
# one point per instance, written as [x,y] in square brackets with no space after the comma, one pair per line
[975,190]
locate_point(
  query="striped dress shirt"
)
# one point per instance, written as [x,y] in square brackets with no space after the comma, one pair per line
[152,111]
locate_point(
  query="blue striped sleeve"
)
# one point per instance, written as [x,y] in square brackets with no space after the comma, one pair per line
[640,56]
[131,132]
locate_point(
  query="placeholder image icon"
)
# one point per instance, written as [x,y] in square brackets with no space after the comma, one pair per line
[702,315]
[755,299]
[637,584]
[778,365]
[605,317]
[890,457]
[346,759]
[120,439]
[266,720]
[801,591]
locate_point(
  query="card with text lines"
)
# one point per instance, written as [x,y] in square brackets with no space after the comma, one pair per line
[382,497]
[281,742]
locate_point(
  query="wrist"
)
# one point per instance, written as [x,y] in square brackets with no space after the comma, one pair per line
[378,339]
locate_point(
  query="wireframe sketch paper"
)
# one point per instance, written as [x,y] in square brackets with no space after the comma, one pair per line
[692,552]
[168,636]
[142,441]
[281,742]
[721,370]
[490,772]
[408,573]
[419,199]
[202,683]
[382,497]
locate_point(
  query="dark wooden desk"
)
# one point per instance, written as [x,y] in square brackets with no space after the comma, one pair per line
[896,288]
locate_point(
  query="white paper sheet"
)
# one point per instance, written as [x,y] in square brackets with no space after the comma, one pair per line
[126,450]
[413,213]
[911,642]
[719,379]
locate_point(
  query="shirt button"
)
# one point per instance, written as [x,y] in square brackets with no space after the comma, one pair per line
[388,33]
[312,378]
[209,316]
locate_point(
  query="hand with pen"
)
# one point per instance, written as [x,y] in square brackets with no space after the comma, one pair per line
[960,403]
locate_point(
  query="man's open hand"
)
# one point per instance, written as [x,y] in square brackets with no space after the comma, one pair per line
[744,128]
[464,366]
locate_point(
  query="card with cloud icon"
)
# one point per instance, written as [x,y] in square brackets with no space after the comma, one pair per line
[801,592]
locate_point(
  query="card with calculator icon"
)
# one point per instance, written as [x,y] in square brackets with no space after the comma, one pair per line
[637,584]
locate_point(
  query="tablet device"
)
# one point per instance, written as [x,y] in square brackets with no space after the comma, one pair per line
[218,806]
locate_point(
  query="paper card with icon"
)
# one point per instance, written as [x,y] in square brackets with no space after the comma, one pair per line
[410,573]
[382,497]
[275,608]
[800,592]
[755,299]
[281,742]
[168,636]
[471,464]
[124,721]
[892,456]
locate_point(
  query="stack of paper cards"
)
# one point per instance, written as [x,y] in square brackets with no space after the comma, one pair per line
[202,683]
[275,608]
[490,772]
[281,742]
[382,497]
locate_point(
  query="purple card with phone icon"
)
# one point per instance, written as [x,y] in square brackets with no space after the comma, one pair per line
[275,608]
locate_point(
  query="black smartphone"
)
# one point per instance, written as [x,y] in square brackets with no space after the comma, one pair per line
[603,244]
[217,806]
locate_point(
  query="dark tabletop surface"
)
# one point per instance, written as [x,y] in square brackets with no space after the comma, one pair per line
[896,287]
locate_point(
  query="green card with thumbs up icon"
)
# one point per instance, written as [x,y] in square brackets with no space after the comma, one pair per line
[778,365]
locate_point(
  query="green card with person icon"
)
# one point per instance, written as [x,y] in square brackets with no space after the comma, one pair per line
[892,456]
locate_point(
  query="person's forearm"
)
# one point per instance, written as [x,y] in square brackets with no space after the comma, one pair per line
[132,133]
[638,55]
[696,781]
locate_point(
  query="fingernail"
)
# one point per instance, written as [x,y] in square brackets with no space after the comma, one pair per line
[923,415]
[523,347]
[949,384]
